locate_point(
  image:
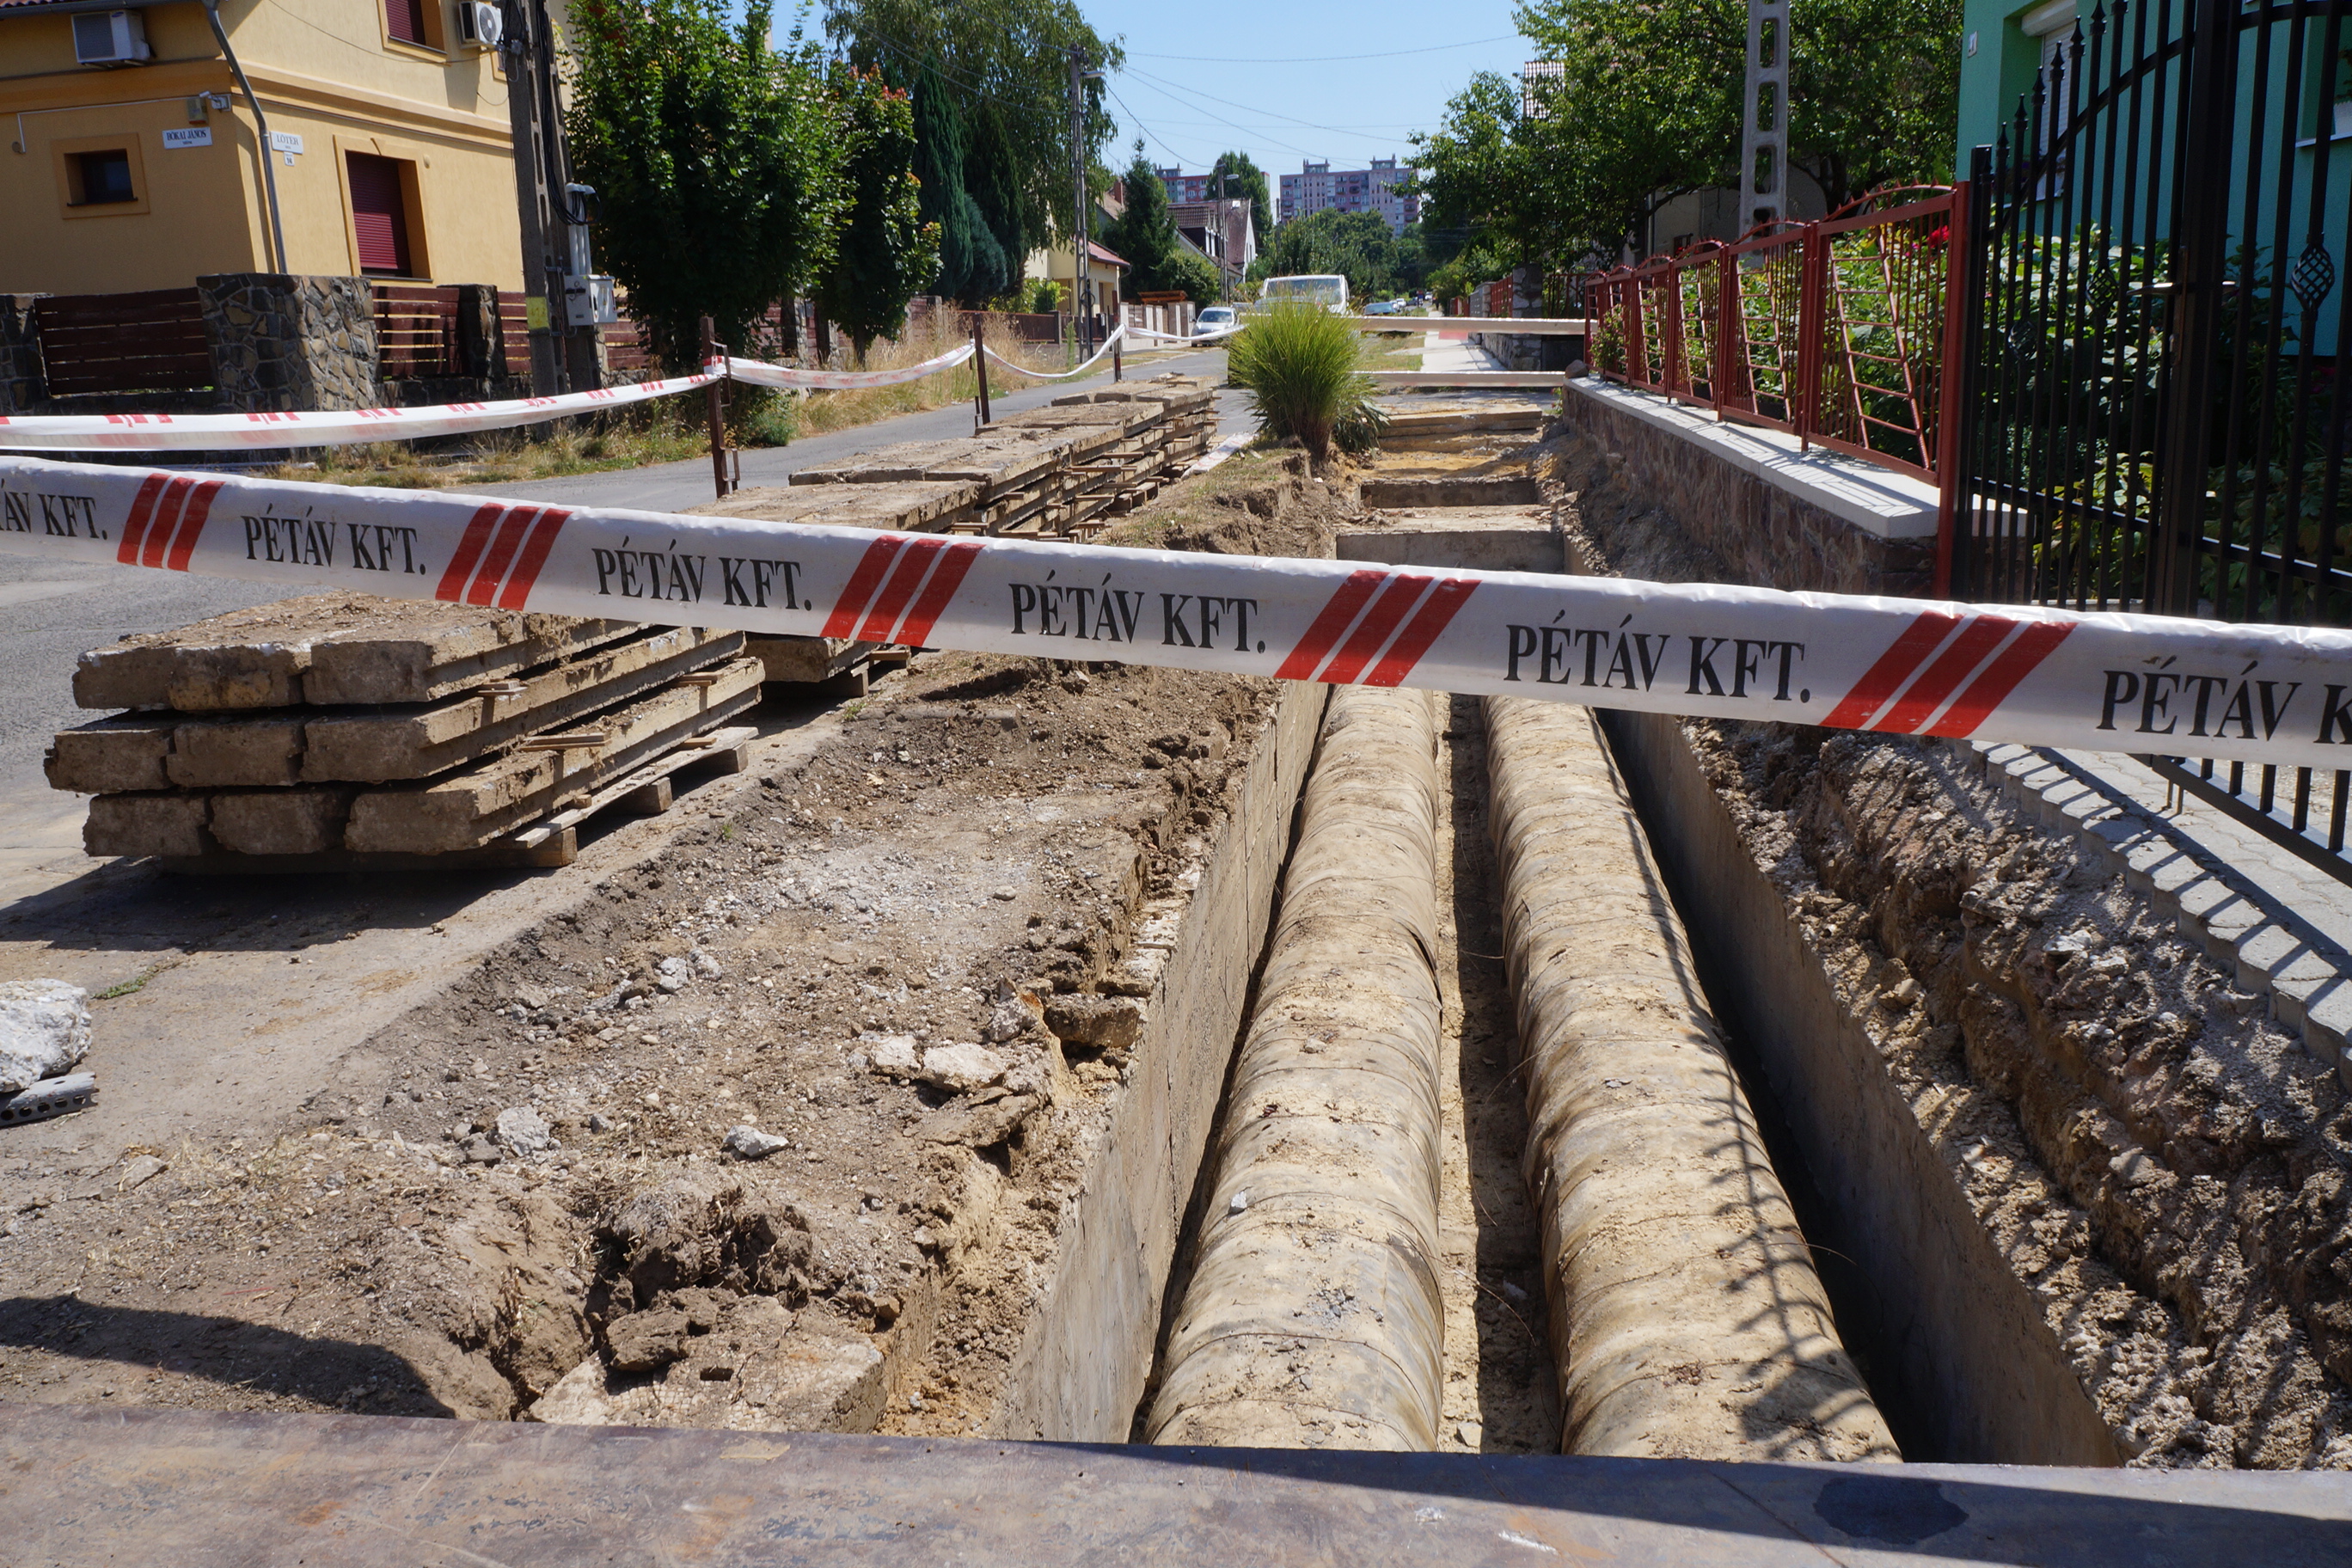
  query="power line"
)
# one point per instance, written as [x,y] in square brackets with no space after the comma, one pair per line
[1166,87]
[1220,119]
[1322,59]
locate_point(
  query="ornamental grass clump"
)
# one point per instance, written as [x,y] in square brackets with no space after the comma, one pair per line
[1300,365]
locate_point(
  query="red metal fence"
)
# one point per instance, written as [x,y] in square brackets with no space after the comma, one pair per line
[148,341]
[1837,331]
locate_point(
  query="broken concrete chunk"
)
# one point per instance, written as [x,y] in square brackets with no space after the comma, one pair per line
[524,1131]
[1102,1022]
[139,1171]
[962,1068]
[1014,1013]
[893,1054]
[747,1142]
[44,1031]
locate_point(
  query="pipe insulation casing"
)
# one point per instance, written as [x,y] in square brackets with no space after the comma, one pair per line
[1313,1316]
[1685,1316]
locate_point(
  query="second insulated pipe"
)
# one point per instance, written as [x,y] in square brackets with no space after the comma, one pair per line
[1313,1316]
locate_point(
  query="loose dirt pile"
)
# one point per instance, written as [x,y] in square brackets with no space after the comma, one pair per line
[900,974]
[2163,1166]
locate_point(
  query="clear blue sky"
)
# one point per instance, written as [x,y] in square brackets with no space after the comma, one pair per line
[1270,75]
[1257,76]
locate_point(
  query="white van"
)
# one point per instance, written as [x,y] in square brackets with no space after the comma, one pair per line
[1327,289]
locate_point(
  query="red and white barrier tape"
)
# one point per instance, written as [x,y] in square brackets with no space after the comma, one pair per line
[224,432]
[1116,334]
[2264,694]
[759,373]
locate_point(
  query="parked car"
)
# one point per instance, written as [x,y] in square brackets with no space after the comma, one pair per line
[1384,306]
[1215,319]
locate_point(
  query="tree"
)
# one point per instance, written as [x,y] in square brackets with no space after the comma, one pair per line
[1233,174]
[1648,107]
[1357,246]
[884,250]
[1145,237]
[991,79]
[714,160]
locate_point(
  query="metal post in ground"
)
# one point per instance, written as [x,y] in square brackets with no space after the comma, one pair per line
[721,481]
[981,415]
[1118,357]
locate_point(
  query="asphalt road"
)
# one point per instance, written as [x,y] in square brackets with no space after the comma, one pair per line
[669,487]
[51,613]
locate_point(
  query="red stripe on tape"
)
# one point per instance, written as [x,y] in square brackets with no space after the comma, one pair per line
[1337,613]
[1919,639]
[1427,624]
[510,538]
[174,501]
[192,525]
[469,551]
[134,524]
[534,556]
[1958,662]
[946,578]
[861,585]
[2014,663]
[898,589]
[1399,596]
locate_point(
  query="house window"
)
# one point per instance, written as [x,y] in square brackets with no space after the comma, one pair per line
[379,214]
[102,178]
[416,22]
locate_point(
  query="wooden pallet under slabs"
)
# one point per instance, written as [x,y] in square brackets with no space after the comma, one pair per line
[279,747]
[463,810]
[647,791]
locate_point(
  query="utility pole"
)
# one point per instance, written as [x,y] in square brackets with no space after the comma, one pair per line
[1764,137]
[1081,232]
[521,39]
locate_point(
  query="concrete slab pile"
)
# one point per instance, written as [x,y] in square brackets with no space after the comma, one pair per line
[1059,471]
[342,730]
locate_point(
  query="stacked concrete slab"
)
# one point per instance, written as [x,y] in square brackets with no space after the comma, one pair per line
[1060,471]
[341,729]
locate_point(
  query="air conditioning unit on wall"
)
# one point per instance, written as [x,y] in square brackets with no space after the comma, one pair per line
[479,24]
[110,38]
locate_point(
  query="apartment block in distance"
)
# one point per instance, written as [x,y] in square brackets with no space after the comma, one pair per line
[140,164]
[1317,187]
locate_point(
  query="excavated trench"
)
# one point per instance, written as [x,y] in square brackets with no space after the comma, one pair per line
[1361,1068]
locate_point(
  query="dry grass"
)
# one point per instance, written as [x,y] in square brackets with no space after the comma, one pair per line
[822,411]
[1392,351]
[672,429]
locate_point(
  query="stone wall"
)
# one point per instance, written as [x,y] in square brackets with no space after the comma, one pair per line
[1776,518]
[22,389]
[284,343]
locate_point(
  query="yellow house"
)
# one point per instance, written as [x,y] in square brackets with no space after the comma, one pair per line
[136,160]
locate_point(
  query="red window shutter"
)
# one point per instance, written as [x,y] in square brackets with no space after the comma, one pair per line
[379,215]
[405,20]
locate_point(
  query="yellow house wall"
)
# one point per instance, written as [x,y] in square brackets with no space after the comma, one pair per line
[326,72]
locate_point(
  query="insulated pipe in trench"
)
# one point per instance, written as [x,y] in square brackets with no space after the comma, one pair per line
[1685,1317]
[1313,1316]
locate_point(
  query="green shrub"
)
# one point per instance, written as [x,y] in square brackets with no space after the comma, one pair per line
[763,416]
[1301,367]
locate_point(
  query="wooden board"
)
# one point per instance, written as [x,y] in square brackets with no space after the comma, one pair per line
[468,808]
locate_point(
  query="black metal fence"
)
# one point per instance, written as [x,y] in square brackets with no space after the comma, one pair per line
[2157,314]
